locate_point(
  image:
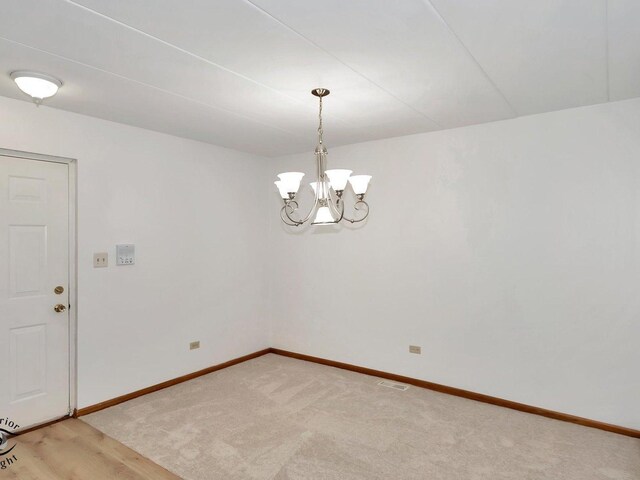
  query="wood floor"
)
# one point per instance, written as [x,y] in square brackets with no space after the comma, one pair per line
[74,450]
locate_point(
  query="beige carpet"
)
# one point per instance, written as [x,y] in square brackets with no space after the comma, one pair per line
[279,418]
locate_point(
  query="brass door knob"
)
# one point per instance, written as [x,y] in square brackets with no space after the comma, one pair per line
[59,308]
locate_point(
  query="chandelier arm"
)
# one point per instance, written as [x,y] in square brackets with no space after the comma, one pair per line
[357,208]
[283,210]
[288,209]
[337,205]
[313,207]
[341,203]
[305,219]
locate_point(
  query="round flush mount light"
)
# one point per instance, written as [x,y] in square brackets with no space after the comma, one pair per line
[37,85]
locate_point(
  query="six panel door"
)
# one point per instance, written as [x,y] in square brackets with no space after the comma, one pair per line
[34,314]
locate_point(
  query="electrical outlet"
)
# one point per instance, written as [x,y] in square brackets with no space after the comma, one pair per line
[415,349]
[100,260]
[194,345]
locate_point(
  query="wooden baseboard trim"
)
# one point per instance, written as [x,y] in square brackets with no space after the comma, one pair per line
[458,392]
[153,388]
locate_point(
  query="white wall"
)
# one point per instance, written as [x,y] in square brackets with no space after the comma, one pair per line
[196,214]
[509,251]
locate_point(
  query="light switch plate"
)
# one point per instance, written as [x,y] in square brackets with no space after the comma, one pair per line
[415,349]
[100,260]
[125,254]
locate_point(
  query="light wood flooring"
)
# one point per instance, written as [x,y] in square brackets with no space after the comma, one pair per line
[74,450]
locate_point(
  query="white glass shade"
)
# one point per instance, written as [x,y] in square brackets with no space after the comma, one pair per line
[290,181]
[338,178]
[323,217]
[359,183]
[36,85]
[283,193]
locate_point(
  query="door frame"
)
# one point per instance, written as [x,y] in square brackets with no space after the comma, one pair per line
[73,271]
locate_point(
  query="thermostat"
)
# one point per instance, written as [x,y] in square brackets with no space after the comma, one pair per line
[125,254]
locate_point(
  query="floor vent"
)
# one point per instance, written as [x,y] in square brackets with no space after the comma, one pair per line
[396,386]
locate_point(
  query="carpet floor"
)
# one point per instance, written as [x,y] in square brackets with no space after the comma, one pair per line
[279,418]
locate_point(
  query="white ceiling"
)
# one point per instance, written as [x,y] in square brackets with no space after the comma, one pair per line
[238,73]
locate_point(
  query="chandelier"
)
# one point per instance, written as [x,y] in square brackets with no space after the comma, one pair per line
[328,204]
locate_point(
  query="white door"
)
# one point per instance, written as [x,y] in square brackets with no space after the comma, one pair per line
[34,261]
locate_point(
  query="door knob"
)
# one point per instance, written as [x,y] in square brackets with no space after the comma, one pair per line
[59,308]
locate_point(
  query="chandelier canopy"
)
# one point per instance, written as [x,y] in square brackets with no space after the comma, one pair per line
[328,204]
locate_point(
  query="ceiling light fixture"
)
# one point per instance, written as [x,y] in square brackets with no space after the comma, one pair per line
[37,85]
[328,188]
